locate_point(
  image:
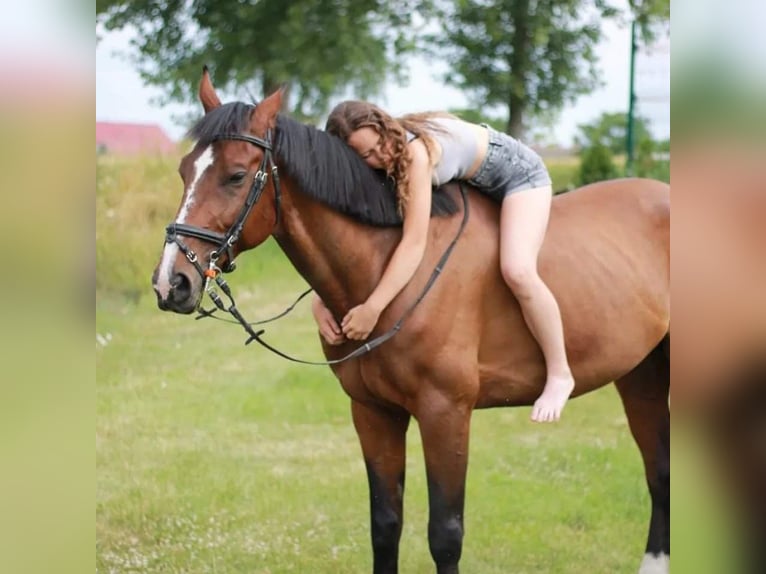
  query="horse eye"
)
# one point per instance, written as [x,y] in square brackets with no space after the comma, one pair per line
[238,178]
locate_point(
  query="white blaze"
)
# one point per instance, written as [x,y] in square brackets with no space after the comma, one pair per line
[655,564]
[204,161]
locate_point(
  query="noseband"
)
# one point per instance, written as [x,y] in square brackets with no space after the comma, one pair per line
[226,241]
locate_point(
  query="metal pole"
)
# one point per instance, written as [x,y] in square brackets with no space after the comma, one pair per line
[631,102]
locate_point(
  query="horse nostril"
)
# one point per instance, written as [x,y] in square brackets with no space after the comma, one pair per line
[180,287]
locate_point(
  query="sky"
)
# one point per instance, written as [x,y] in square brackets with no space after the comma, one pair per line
[41,36]
[122,96]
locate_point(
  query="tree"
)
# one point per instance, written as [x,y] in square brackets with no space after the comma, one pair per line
[318,48]
[650,161]
[648,13]
[596,164]
[610,130]
[530,57]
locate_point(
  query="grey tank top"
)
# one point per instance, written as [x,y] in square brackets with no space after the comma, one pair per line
[459,147]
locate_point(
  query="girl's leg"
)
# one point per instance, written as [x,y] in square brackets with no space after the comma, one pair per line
[523,221]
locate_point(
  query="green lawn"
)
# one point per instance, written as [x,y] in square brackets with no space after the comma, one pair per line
[215,457]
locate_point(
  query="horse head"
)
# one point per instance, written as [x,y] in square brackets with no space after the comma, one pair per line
[230,201]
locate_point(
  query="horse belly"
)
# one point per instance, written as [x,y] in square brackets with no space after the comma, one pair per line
[612,277]
[606,259]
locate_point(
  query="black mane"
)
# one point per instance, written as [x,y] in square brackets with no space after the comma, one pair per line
[322,165]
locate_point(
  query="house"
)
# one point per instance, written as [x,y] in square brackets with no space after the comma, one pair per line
[132,139]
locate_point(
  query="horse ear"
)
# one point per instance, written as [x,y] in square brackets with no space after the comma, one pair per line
[266,111]
[207,93]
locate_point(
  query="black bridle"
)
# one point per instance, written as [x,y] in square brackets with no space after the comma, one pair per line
[226,242]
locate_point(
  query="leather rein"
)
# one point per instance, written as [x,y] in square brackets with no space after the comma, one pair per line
[225,242]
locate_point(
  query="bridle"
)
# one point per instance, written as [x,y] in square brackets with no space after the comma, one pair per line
[225,243]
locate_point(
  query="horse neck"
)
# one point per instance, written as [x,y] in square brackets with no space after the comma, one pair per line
[341,259]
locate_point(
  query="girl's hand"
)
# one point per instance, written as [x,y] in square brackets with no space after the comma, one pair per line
[328,327]
[360,321]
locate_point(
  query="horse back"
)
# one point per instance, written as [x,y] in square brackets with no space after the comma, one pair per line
[606,259]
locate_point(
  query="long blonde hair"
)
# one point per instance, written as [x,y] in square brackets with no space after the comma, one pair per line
[351,115]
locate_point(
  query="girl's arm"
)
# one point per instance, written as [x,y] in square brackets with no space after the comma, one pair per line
[360,321]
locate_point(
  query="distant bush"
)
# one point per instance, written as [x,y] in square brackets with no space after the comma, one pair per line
[648,163]
[564,172]
[596,164]
[135,199]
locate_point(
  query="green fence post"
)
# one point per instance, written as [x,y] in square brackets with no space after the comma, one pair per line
[629,144]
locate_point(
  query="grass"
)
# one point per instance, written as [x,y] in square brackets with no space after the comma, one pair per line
[564,172]
[135,199]
[216,457]
[705,528]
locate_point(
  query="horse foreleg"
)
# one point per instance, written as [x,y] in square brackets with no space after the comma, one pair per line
[382,434]
[444,428]
[644,392]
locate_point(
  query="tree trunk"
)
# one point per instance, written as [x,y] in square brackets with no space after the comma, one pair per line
[518,63]
[515,126]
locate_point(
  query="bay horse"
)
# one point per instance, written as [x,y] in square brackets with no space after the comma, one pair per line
[465,346]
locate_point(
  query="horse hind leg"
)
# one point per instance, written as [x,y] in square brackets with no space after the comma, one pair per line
[444,429]
[644,392]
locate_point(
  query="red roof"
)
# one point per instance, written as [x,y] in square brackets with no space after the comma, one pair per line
[132,139]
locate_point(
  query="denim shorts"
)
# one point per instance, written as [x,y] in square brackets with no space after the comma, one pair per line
[509,167]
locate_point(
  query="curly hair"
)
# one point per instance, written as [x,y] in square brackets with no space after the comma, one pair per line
[351,115]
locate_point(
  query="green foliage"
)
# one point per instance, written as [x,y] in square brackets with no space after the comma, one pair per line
[651,161]
[319,48]
[610,130]
[649,14]
[597,164]
[530,58]
[644,159]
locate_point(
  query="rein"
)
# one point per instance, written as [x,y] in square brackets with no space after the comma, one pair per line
[213,274]
[377,341]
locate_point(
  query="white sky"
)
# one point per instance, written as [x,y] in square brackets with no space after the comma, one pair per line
[42,28]
[122,96]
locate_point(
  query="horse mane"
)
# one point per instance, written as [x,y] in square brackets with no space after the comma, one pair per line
[323,166]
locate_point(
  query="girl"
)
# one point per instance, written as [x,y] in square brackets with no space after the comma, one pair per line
[421,150]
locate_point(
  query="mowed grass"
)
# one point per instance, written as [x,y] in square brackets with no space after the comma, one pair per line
[216,457]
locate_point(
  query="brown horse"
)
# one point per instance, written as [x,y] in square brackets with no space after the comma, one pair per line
[466,345]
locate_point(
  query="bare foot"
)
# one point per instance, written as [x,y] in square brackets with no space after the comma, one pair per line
[555,394]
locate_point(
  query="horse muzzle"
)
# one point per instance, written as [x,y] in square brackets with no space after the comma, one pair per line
[176,293]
